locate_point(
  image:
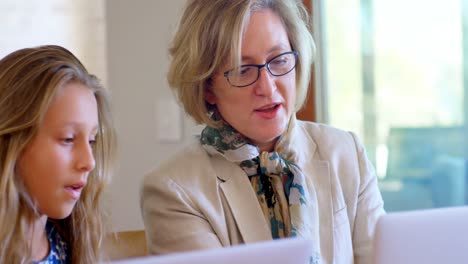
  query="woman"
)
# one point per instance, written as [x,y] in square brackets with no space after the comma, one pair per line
[242,67]
[57,145]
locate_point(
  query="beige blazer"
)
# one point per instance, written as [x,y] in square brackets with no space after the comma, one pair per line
[197,201]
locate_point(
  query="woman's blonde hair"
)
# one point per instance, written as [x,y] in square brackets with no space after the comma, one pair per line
[29,80]
[210,34]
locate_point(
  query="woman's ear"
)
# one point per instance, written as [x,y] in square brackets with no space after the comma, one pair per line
[210,97]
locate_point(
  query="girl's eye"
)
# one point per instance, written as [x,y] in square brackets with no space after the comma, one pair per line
[92,142]
[68,140]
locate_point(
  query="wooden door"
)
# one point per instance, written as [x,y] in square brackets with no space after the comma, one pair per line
[308,112]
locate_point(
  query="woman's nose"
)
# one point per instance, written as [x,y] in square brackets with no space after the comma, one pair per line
[265,85]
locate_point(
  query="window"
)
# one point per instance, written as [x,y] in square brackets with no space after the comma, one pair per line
[396,73]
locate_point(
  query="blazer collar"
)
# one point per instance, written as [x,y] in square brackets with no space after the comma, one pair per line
[303,143]
[242,200]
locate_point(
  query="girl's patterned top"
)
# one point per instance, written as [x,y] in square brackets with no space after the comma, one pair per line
[59,252]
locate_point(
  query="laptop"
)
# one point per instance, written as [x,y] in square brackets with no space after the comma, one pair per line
[423,236]
[279,251]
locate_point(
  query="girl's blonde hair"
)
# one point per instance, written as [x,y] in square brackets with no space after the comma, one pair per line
[210,34]
[29,80]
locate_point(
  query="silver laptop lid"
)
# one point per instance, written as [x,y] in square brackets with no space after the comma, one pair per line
[281,251]
[423,236]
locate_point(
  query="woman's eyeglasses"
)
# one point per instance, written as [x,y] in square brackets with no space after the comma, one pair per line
[247,74]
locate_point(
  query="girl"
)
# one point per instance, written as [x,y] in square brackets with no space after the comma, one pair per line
[57,145]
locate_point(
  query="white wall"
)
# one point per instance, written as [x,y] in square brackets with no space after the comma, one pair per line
[138,36]
[76,25]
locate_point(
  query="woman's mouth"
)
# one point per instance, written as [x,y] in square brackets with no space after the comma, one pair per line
[268,111]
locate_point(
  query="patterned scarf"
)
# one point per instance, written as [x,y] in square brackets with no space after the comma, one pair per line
[276,179]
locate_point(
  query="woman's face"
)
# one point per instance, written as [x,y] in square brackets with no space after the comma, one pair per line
[259,111]
[55,165]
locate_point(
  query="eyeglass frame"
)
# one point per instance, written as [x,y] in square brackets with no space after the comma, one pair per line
[260,66]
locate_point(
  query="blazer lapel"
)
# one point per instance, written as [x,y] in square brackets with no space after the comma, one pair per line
[242,201]
[318,178]
[320,182]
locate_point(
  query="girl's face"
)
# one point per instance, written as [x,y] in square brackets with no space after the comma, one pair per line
[55,165]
